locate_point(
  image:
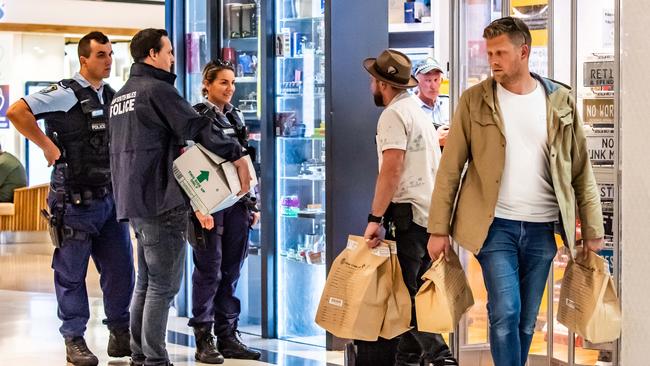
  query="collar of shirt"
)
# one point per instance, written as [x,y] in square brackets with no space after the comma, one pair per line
[84,83]
[436,104]
[227,108]
[401,95]
[146,70]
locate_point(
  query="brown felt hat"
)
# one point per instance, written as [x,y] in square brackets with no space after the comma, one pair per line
[392,67]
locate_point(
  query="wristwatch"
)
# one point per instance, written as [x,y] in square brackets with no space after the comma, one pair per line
[373,218]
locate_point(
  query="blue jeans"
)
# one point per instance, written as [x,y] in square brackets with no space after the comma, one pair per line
[161,255]
[515,259]
[100,236]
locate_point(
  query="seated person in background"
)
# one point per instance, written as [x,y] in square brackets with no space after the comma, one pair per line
[12,176]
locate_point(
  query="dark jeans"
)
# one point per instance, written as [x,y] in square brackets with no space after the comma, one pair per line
[217,269]
[412,347]
[515,259]
[100,236]
[161,255]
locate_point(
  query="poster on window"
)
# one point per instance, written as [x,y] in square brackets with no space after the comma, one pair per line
[598,112]
[608,28]
[4,105]
[607,191]
[601,146]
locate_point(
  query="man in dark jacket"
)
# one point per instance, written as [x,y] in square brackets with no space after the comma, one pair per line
[150,123]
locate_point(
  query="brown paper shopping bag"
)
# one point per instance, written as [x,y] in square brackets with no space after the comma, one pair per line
[444,297]
[354,300]
[589,305]
[398,308]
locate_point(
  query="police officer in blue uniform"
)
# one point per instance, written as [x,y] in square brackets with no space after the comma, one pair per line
[82,213]
[150,124]
[219,259]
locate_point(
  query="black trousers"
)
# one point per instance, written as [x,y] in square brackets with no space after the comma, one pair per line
[413,347]
[217,270]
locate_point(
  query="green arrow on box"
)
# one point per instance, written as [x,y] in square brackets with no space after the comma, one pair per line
[203,176]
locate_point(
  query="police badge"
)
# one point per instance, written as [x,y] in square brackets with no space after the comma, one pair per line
[49,89]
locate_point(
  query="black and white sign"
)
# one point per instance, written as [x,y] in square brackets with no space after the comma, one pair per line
[598,73]
[601,146]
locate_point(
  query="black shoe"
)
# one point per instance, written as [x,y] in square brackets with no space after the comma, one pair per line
[119,343]
[449,361]
[206,351]
[232,347]
[78,354]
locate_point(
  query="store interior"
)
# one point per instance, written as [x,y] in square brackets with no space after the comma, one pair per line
[283,60]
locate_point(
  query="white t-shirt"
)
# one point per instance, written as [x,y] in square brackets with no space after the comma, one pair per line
[404,126]
[526,192]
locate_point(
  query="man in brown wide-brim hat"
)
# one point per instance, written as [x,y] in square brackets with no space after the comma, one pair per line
[408,153]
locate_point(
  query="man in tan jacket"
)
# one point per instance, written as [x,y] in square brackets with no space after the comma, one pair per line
[527,167]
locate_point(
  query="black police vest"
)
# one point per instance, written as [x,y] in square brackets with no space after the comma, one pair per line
[82,136]
[231,125]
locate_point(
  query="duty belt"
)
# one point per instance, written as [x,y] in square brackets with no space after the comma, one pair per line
[77,196]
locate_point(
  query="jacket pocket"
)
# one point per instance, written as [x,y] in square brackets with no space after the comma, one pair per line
[483,119]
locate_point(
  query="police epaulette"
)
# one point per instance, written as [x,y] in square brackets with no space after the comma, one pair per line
[201,108]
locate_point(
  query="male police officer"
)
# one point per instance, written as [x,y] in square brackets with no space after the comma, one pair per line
[150,123]
[83,219]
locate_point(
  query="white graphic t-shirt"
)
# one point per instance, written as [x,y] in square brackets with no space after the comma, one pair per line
[404,126]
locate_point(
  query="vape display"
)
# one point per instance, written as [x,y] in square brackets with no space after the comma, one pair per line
[300,161]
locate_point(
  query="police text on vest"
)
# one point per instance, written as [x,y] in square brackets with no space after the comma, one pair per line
[123,104]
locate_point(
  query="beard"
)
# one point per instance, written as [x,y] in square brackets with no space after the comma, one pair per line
[379,100]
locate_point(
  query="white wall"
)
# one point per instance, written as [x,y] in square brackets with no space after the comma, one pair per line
[635,129]
[40,57]
[84,13]
[31,57]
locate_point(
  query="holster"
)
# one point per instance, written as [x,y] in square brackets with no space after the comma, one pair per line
[55,228]
[196,235]
[400,215]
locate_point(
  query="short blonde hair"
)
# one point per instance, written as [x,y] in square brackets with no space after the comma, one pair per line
[515,28]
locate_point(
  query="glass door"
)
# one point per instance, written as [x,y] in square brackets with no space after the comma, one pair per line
[595,92]
[239,36]
[300,167]
[470,68]
[196,48]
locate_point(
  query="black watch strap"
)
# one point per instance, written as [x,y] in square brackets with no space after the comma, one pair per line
[373,218]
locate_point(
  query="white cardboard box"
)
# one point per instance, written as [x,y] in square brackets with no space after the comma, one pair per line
[210,181]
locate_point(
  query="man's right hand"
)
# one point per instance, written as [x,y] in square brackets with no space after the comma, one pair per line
[244,175]
[52,154]
[443,132]
[437,245]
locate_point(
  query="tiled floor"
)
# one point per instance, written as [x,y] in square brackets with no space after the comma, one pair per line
[29,336]
[29,326]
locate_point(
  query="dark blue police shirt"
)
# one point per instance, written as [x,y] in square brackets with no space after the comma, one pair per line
[149,124]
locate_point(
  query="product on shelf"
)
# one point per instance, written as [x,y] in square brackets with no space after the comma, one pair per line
[290,205]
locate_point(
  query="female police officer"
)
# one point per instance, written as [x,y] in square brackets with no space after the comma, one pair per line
[219,259]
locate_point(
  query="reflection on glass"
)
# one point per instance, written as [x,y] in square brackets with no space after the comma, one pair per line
[300,167]
[560,332]
[475,16]
[239,39]
[595,102]
[535,14]
[196,48]
[476,319]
